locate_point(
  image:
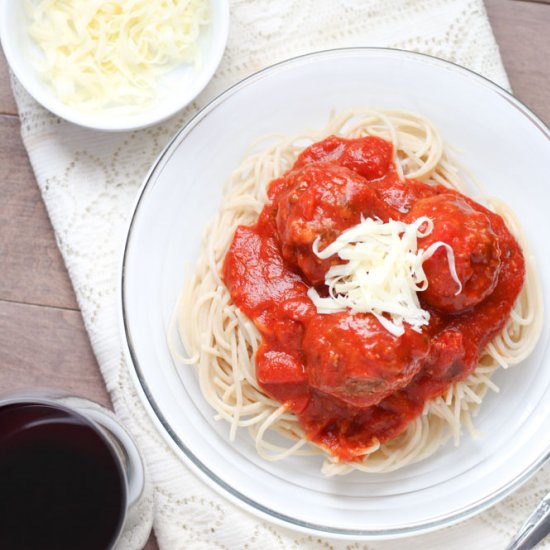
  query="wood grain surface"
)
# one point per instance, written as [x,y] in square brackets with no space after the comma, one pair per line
[42,338]
[522,31]
[7,103]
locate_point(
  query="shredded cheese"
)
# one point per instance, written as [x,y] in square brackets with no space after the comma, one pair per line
[382,272]
[101,53]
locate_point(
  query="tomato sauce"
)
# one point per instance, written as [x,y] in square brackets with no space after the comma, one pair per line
[348,380]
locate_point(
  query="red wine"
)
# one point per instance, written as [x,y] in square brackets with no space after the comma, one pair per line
[61,485]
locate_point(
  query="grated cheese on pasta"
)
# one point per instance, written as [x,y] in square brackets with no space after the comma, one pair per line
[382,272]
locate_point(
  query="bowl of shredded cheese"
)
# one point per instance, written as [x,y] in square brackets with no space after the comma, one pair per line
[114,64]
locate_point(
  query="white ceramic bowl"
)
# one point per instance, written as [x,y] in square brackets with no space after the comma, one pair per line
[502,143]
[20,49]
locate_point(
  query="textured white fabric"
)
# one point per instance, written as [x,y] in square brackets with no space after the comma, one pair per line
[89,181]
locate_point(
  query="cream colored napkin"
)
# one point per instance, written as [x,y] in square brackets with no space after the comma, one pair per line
[89,181]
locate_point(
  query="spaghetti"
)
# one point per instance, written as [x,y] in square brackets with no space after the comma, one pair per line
[223,342]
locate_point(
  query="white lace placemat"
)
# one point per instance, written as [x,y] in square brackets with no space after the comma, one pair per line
[89,181]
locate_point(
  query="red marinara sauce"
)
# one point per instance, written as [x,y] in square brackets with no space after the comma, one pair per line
[348,380]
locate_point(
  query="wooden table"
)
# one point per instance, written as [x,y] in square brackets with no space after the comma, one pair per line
[42,338]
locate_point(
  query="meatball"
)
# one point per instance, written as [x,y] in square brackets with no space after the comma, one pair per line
[370,156]
[401,195]
[354,358]
[321,200]
[476,253]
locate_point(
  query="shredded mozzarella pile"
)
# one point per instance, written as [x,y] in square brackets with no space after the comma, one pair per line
[112,52]
[383,272]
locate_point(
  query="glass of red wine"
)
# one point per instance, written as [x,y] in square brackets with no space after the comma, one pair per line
[70,475]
